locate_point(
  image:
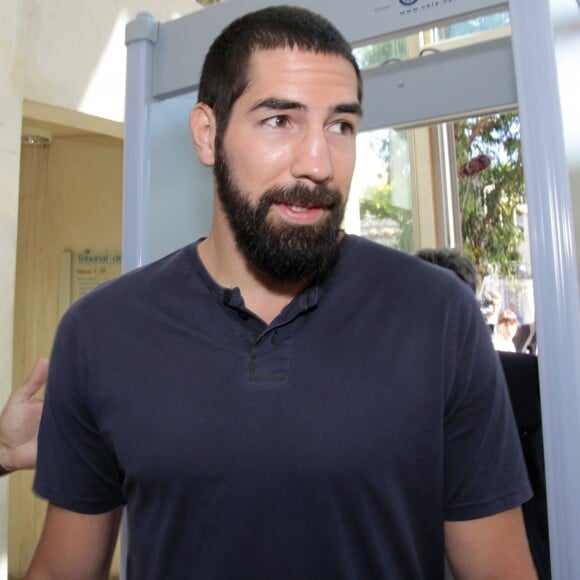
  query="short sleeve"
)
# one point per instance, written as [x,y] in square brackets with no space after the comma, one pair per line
[484,467]
[76,468]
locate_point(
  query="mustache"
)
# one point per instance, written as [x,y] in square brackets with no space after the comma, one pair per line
[302,195]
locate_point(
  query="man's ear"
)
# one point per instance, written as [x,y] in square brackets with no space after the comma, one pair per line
[203,130]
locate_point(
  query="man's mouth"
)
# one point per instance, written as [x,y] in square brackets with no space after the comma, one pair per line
[300,208]
[300,214]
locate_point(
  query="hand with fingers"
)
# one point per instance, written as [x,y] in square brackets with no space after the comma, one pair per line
[19,422]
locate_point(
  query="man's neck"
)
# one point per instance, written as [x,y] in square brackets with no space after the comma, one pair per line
[229,268]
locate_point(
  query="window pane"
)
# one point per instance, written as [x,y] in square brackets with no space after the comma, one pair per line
[380,52]
[380,205]
[494,219]
[473,26]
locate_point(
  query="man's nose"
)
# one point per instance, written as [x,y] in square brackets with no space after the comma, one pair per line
[313,158]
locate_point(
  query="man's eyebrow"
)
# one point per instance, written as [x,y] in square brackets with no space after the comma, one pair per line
[277,104]
[351,108]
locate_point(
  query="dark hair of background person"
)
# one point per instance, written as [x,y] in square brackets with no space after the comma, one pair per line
[452,260]
[224,75]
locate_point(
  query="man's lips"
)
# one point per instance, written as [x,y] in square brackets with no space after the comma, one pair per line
[300,214]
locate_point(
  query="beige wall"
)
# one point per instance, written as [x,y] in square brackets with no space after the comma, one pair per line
[70,199]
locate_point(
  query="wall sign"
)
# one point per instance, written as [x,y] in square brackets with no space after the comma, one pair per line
[81,272]
[91,268]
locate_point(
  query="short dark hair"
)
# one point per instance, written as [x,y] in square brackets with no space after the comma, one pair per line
[224,75]
[452,260]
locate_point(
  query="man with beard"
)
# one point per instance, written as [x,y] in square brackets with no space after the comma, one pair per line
[279,400]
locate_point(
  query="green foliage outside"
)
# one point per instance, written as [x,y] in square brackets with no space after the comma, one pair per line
[378,203]
[385,207]
[491,201]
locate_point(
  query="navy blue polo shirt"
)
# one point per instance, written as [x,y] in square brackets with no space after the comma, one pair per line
[332,443]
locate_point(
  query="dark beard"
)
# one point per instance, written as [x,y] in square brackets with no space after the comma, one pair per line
[284,252]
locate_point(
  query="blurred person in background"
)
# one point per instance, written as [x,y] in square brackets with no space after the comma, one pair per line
[505,331]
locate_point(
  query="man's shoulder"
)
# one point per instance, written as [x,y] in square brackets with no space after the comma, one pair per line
[370,258]
[144,283]
[371,262]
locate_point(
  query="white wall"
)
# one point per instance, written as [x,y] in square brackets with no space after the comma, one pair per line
[10,115]
[74,52]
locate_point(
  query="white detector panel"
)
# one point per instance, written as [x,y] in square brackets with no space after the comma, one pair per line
[181,188]
[183,43]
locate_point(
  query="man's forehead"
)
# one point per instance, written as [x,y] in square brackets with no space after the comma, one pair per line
[284,64]
[264,56]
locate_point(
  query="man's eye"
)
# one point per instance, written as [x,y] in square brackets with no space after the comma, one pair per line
[277,121]
[342,128]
